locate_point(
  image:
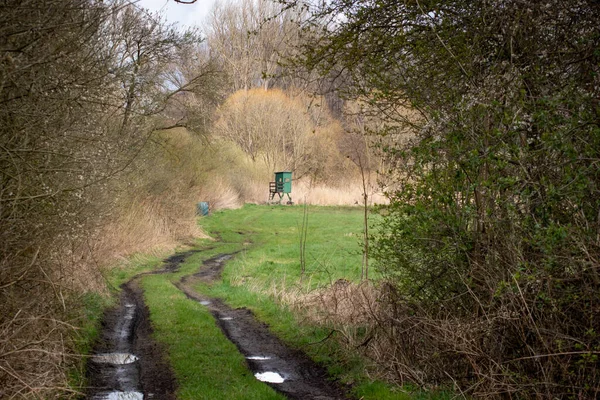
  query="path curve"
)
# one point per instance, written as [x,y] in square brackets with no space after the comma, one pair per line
[139,371]
[264,352]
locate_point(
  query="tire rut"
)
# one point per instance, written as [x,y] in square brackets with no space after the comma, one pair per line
[287,370]
[127,364]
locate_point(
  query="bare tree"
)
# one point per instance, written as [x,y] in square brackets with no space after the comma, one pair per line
[267,125]
[356,147]
[80,85]
[251,38]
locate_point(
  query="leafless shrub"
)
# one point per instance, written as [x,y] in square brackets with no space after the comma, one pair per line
[343,303]
[79,84]
[482,355]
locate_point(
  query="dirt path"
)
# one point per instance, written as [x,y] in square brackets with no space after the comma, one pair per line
[288,371]
[127,363]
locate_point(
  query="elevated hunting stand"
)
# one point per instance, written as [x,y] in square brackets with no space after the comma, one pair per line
[281,186]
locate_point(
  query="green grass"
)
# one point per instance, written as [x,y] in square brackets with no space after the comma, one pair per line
[269,237]
[206,364]
[136,264]
[332,248]
[87,311]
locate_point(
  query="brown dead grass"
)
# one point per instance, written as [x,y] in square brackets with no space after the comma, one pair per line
[147,225]
[353,312]
[342,303]
[350,193]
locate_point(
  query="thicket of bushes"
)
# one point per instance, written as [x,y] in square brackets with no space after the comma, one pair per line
[81,87]
[490,243]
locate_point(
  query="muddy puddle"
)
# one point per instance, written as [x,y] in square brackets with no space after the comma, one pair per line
[269,377]
[127,364]
[288,371]
[114,358]
[120,396]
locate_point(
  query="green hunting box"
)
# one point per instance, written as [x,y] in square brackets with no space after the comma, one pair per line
[283,180]
[282,186]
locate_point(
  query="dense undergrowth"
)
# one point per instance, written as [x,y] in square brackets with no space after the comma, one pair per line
[490,244]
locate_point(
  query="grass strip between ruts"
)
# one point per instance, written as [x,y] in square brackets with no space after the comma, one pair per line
[206,364]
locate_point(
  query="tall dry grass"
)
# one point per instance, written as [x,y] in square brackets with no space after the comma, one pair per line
[349,192]
[353,312]
[157,205]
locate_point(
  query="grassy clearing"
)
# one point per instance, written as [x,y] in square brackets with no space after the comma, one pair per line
[265,277]
[271,235]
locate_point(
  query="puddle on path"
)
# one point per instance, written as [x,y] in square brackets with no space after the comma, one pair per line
[115,358]
[269,377]
[114,372]
[115,369]
[127,364]
[297,376]
[119,396]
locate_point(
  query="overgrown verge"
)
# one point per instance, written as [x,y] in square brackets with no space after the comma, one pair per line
[78,105]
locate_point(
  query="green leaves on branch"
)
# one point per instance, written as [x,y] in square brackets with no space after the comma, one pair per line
[494,220]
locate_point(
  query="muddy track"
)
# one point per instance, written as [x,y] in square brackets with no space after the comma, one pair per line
[127,363]
[288,371]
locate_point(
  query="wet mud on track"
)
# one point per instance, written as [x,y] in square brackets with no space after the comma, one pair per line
[288,371]
[127,363]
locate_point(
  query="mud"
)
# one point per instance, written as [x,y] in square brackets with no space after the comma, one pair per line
[211,268]
[172,264]
[127,363]
[288,371]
